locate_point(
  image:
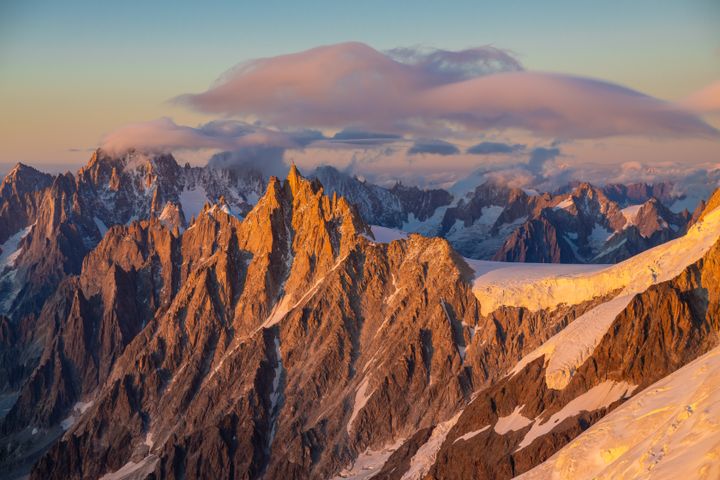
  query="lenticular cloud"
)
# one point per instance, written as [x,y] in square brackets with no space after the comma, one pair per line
[706,100]
[420,91]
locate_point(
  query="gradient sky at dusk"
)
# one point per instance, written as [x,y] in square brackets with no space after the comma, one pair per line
[73,72]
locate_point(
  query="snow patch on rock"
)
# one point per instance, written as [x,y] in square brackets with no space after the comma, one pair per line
[570,347]
[470,435]
[567,203]
[668,431]
[490,214]
[600,396]
[368,463]
[102,228]
[630,214]
[10,250]
[362,395]
[387,235]
[513,422]
[78,409]
[134,470]
[425,456]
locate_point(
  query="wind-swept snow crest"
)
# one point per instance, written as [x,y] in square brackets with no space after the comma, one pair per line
[569,348]
[537,287]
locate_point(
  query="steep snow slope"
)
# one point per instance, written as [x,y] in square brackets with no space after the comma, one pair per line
[630,213]
[670,430]
[369,463]
[570,347]
[491,273]
[425,456]
[386,235]
[540,287]
[546,286]
[9,250]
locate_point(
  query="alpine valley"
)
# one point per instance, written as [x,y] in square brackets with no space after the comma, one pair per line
[160,321]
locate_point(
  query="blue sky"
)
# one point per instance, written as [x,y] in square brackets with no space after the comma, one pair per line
[665,46]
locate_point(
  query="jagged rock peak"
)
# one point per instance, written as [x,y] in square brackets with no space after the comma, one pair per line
[20,169]
[298,193]
[294,178]
[23,177]
[130,160]
[334,207]
[585,189]
[297,224]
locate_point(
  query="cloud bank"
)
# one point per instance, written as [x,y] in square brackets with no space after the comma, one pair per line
[436,147]
[423,92]
[237,144]
[492,148]
[418,115]
[164,135]
[706,100]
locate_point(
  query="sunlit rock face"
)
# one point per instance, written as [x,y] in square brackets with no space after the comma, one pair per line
[295,339]
[654,341]
[60,219]
[293,295]
[51,223]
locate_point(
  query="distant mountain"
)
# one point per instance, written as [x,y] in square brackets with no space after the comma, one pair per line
[493,221]
[583,224]
[20,198]
[48,224]
[293,343]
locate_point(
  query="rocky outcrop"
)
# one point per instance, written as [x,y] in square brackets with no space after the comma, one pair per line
[390,207]
[131,275]
[376,205]
[291,331]
[20,198]
[421,204]
[650,225]
[639,193]
[53,247]
[535,241]
[578,224]
[296,307]
[62,218]
[70,214]
[519,422]
[137,186]
[587,227]
[14,366]
[286,341]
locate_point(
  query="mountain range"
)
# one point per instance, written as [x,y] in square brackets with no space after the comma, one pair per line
[161,321]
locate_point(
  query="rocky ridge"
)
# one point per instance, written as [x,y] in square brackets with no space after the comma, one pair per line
[523,419]
[248,344]
[247,315]
[577,224]
[288,298]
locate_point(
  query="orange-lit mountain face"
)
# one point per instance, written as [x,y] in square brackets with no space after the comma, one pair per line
[175,322]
